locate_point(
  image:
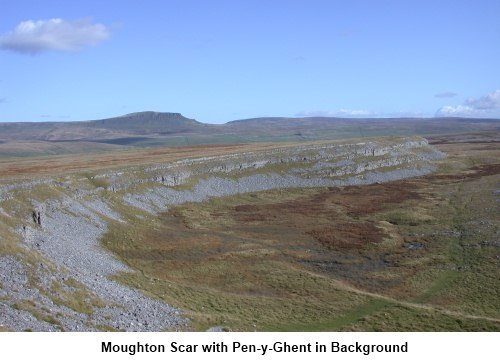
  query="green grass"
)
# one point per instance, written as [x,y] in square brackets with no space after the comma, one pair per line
[252,262]
[69,292]
[337,322]
[254,311]
[443,280]
[241,269]
[75,296]
[39,313]
[398,318]
[98,182]
[250,282]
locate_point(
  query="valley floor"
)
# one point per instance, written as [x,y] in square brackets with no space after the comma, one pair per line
[368,251]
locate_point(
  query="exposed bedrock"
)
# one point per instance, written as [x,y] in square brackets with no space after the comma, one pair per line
[61,232]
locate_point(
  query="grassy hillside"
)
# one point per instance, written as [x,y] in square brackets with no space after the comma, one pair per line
[415,254]
[155,129]
[411,255]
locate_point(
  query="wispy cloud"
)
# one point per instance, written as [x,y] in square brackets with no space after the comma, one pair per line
[361,113]
[3,100]
[446,95]
[32,37]
[488,102]
[456,111]
[354,112]
[485,106]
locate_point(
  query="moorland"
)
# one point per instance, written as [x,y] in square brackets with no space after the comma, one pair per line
[155,222]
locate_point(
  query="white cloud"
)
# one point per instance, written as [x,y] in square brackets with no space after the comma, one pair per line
[55,34]
[486,106]
[361,113]
[456,111]
[490,101]
[355,112]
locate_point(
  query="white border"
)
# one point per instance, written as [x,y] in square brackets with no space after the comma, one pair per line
[53,347]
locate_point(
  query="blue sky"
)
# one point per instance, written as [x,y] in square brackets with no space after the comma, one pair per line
[217,61]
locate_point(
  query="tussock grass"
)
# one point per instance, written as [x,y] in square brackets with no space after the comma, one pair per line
[256,308]
[410,217]
[74,295]
[248,262]
[398,318]
[407,255]
[38,312]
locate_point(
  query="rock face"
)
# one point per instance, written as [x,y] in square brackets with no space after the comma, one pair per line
[64,231]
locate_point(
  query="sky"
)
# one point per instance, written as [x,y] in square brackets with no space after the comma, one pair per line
[217,61]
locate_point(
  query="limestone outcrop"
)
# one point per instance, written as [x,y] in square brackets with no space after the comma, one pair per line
[60,223]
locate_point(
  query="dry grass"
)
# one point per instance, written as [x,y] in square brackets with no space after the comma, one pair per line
[38,312]
[75,296]
[354,258]
[379,257]
[88,162]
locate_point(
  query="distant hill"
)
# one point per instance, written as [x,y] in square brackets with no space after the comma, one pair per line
[338,128]
[129,125]
[150,122]
[153,129]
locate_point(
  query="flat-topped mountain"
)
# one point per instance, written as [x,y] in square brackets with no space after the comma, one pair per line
[129,125]
[150,122]
[153,129]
